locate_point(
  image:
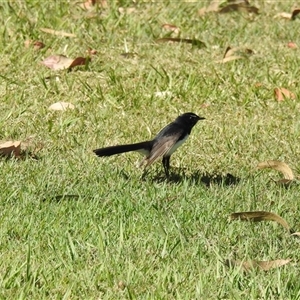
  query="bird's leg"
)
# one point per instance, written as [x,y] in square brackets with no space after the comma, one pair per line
[166,164]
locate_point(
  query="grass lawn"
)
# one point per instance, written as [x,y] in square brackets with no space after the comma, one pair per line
[75,226]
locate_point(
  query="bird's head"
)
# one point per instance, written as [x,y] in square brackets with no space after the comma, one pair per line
[190,118]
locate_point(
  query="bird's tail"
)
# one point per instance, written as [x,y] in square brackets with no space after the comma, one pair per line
[143,147]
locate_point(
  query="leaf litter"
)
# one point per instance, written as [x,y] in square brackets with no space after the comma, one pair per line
[61,62]
[258,216]
[36,45]
[250,265]
[235,53]
[57,32]
[20,149]
[61,106]
[10,148]
[236,6]
[282,94]
[289,16]
[194,42]
[288,175]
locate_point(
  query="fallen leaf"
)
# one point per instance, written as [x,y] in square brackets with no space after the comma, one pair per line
[240,7]
[163,94]
[257,216]
[10,148]
[288,16]
[61,106]
[282,93]
[36,45]
[126,10]
[284,15]
[237,50]
[213,7]
[296,234]
[91,51]
[205,105]
[78,61]
[235,53]
[255,264]
[61,62]
[278,166]
[57,32]
[121,285]
[194,42]
[27,43]
[284,182]
[292,45]
[172,28]
[89,4]
[295,13]
[258,84]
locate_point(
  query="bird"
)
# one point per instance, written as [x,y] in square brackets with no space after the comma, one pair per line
[164,144]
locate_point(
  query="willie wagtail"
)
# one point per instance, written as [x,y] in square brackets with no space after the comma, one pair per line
[163,145]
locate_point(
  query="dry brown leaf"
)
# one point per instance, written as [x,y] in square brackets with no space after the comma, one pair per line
[235,53]
[237,50]
[282,93]
[205,105]
[163,94]
[278,94]
[126,10]
[89,4]
[240,7]
[292,45]
[10,148]
[91,52]
[284,182]
[57,32]
[78,61]
[61,62]
[121,285]
[295,13]
[296,234]
[36,45]
[288,16]
[213,7]
[258,84]
[278,166]
[254,264]
[57,62]
[257,216]
[172,28]
[61,106]
[194,42]
[284,15]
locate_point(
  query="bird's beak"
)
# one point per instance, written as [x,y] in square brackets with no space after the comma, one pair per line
[201,118]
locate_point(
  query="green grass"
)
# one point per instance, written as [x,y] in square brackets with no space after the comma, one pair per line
[74,226]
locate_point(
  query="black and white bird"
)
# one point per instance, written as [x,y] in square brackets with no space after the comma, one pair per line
[163,145]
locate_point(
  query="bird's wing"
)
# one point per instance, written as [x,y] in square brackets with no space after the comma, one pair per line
[162,146]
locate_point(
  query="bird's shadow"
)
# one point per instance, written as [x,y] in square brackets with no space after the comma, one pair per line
[199,178]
